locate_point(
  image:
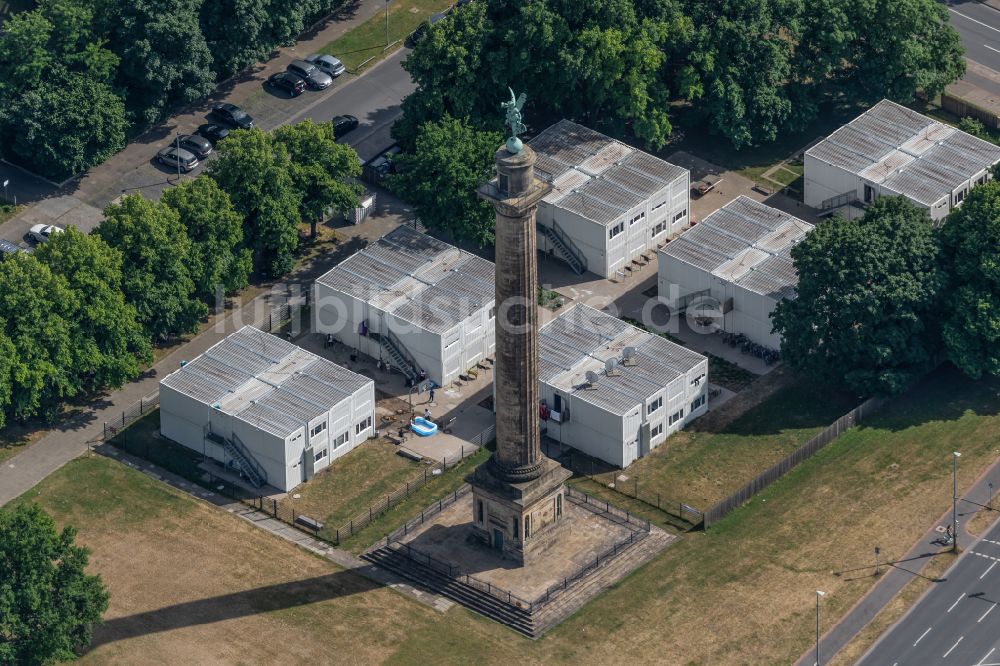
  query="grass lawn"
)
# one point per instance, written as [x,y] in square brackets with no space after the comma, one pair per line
[368,39]
[700,468]
[352,483]
[436,489]
[193,584]
[727,374]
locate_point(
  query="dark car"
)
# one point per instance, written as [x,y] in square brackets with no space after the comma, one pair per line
[198,145]
[343,124]
[313,75]
[232,115]
[214,132]
[290,83]
[418,34]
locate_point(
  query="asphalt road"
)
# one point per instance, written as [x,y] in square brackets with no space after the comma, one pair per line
[374,97]
[956,622]
[978,25]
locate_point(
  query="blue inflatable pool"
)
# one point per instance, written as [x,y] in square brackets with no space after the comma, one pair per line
[423,427]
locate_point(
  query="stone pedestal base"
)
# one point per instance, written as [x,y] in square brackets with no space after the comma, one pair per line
[515,518]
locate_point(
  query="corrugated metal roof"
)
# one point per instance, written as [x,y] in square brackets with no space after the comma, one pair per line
[266,381]
[737,240]
[907,152]
[595,176]
[418,278]
[582,339]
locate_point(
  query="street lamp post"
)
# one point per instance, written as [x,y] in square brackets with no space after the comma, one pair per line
[989,500]
[5,183]
[819,593]
[387,23]
[954,500]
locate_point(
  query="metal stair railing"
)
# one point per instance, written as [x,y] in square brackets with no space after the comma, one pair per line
[235,448]
[567,248]
[839,200]
[407,364]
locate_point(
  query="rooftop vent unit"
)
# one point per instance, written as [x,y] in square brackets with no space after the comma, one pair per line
[611,367]
[592,379]
[628,356]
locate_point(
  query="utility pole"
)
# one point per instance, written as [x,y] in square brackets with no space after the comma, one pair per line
[387,23]
[177,155]
[876,559]
[954,500]
[819,593]
[989,501]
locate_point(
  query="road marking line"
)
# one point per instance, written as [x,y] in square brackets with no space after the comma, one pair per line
[991,541]
[956,602]
[989,557]
[921,637]
[953,646]
[986,657]
[987,571]
[991,48]
[985,25]
[985,614]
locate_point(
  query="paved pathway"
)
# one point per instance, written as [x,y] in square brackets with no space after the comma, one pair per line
[280,529]
[896,577]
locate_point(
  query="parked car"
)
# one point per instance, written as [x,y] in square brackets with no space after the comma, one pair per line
[214,132]
[314,77]
[288,82]
[327,63]
[418,34]
[8,249]
[41,233]
[343,124]
[232,115]
[198,145]
[174,157]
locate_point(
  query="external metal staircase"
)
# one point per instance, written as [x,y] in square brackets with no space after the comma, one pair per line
[568,251]
[839,201]
[242,456]
[401,359]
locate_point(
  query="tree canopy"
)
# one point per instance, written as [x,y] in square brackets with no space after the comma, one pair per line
[155,275]
[109,344]
[256,173]
[749,68]
[970,241]
[218,262]
[865,309]
[440,177]
[48,603]
[322,170]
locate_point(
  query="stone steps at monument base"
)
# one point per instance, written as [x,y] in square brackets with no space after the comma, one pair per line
[466,595]
[604,577]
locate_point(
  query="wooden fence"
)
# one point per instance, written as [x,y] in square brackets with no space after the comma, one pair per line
[782,467]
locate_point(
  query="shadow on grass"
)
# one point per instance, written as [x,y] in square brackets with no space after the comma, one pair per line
[235,605]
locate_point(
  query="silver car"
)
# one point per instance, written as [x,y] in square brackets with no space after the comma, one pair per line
[327,63]
[313,76]
[177,157]
[40,233]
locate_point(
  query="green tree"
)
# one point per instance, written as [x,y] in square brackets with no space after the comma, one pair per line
[256,173]
[218,261]
[155,277]
[48,603]
[971,303]
[865,310]
[7,352]
[65,126]
[109,343]
[25,59]
[440,178]
[36,309]
[165,60]
[322,170]
[237,32]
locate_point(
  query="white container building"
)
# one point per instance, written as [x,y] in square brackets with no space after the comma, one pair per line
[890,150]
[614,391]
[412,301]
[609,204]
[737,259]
[267,407]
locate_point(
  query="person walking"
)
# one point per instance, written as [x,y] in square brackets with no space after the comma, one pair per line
[431,400]
[427,414]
